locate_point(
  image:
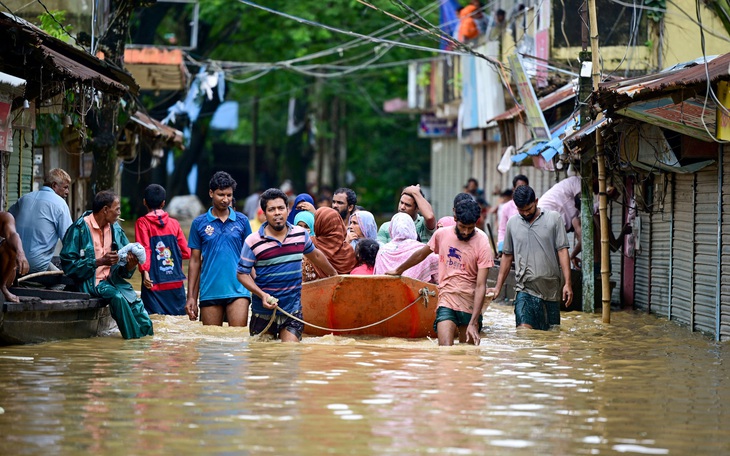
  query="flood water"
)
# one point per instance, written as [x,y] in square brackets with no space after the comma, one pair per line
[638,386]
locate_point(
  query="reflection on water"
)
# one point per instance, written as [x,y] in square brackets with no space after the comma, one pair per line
[638,386]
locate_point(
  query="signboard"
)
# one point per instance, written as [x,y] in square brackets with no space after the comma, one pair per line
[535,120]
[431,126]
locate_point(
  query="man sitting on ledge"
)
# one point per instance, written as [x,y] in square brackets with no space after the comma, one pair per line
[89,257]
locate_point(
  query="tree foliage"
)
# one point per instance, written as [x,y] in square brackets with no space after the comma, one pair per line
[51,23]
[383,150]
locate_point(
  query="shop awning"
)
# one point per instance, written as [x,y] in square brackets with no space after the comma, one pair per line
[157,130]
[47,63]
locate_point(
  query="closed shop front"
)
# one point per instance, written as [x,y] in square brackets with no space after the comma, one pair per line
[682,299]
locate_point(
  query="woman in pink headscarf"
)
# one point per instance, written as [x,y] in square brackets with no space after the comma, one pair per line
[402,244]
[446,221]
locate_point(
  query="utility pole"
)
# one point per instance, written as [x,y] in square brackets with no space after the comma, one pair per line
[601,160]
[586,171]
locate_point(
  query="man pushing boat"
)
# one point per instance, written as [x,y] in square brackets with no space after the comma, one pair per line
[275,253]
[465,257]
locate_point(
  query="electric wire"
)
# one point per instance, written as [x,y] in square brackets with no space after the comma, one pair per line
[709,92]
[668,13]
[288,64]
[350,33]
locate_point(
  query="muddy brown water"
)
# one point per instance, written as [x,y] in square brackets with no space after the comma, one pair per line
[641,385]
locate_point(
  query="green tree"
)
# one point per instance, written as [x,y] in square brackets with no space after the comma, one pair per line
[383,152]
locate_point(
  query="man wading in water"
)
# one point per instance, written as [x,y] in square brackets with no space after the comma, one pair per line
[275,252]
[464,261]
[538,242]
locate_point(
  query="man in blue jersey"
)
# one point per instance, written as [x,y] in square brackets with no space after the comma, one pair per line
[275,251]
[215,240]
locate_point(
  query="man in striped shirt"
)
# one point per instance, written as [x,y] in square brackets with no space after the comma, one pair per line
[275,252]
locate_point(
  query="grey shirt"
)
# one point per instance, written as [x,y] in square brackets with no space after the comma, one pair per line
[41,219]
[535,248]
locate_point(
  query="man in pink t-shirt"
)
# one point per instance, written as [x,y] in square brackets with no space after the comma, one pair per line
[508,209]
[561,198]
[465,257]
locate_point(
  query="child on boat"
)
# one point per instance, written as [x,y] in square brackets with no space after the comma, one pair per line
[365,253]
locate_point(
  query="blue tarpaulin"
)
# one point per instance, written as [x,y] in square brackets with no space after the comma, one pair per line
[548,149]
[448,19]
[225,117]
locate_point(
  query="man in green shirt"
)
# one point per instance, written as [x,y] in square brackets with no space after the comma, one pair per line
[412,202]
[538,243]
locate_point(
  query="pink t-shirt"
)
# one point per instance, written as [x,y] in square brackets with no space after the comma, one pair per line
[102,244]
[459,262]
[561,198]
[363,269]
[506,212]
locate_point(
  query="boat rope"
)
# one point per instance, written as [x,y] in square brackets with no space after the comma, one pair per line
[424,293]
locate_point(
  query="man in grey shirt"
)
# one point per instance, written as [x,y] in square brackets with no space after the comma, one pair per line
[538,244]
[42,218]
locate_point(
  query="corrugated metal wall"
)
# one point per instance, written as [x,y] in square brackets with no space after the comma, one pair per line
[725,279]
[450,168]
[20,167]
[683,249]
[705,254]
[642,270]
[659,226]
[683,257]
[615,214]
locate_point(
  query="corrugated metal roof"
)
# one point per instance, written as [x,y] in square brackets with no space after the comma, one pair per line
[78,71]
[157,68]
[11,84]
[576,139]
[153,56]
[11,80]
[691,80]
[158,129]
[64,60]
[559,96]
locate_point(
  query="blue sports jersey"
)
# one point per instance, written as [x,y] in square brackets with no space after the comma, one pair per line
[220,245]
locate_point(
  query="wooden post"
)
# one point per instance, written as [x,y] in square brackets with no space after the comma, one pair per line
[601,160]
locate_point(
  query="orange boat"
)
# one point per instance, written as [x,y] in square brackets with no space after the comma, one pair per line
[354,301]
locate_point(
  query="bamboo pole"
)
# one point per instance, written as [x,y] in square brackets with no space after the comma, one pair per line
[600,159]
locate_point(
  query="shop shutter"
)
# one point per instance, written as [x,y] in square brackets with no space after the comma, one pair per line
[450,167]
[661,244]
[682,296]
[705,254]
[725,274]
[642,267]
